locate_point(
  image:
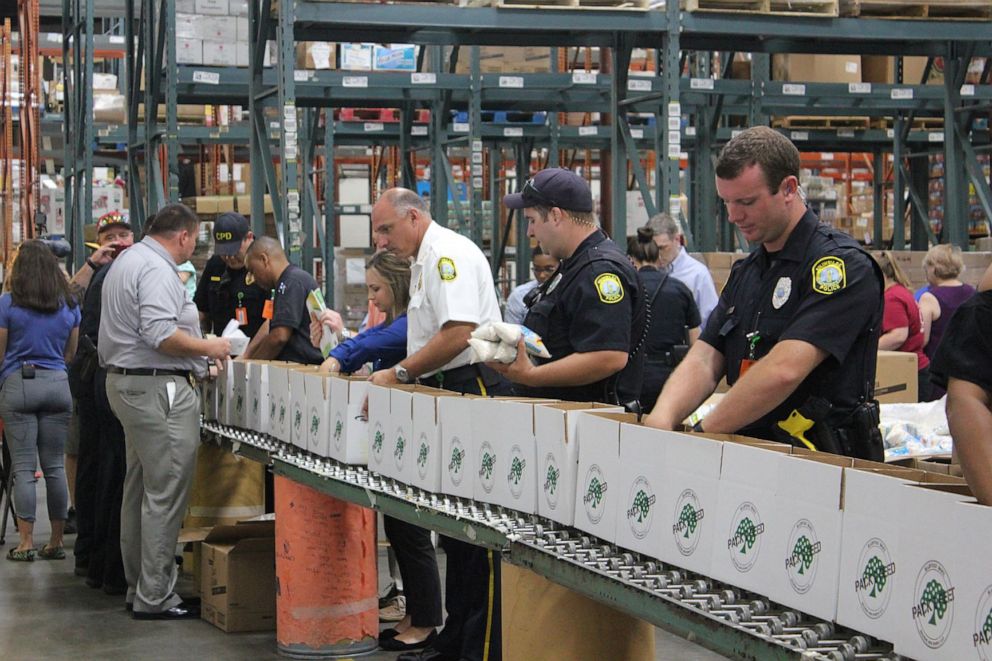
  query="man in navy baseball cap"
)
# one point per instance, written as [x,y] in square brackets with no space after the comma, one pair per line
[554,187]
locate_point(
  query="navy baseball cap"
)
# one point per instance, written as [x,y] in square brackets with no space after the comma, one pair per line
[230,229]
[554,187]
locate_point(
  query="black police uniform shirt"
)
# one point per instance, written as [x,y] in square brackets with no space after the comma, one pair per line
[673,309]
[592,310]
[221,291]
[89,322]
[290,311]
[965,352]
[821,288]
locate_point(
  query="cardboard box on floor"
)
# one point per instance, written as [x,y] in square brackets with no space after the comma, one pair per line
[557,446]
[533,609]
[238,577]
[350,435]
[598,477]
[896,377]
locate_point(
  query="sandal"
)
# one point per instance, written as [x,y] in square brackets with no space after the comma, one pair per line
[51,553]
[20,556]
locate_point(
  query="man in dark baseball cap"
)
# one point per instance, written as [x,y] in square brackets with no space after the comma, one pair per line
[590,312]
[227,289]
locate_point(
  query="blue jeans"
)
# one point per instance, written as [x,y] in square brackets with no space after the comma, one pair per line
[36,416]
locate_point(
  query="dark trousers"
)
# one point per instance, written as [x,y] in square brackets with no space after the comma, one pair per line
[418,567]
[87,475]
[925,390]
[106,565]
[473,627]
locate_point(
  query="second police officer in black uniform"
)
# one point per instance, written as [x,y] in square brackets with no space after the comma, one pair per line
[227,289]
[590,313]
[796,330]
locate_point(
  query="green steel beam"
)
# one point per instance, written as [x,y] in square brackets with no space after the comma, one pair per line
[287,196]
[328,242]
[878,197]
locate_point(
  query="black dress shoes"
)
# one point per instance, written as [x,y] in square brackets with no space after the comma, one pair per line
[426,654]
[181,612]
[395,645]
[388,633]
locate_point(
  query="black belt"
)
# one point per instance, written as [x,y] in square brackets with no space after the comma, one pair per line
[457,375]
[149,371]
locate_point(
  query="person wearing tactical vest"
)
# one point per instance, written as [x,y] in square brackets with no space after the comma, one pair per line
[797,326]
[590,313]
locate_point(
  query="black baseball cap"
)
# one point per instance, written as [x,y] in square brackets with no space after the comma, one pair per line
[554,187]
[230,229]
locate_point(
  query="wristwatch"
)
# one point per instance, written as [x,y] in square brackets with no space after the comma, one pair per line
[401,374]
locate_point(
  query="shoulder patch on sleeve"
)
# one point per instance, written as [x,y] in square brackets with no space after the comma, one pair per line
[446,269]
[609,288]
[829,275]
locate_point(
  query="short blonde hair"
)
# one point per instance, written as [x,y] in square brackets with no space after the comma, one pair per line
[945,260]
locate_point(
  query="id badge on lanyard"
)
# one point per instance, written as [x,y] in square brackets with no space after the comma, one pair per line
[268,310]
[752,339]
[241,312]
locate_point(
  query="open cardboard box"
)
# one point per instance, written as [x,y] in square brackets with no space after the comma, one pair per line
[597,482]
[280,402]
[257,414]
[237,584]
[458,457]
[318,419]
[238,416]
[350,435]
[641,523]
[428,439]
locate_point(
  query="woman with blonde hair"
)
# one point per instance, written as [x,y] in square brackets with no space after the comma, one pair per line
[902,323]
[943,265]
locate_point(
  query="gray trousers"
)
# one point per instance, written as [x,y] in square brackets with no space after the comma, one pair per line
[161,436]
[36,418]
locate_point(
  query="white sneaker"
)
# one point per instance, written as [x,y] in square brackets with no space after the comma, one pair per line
[394,611]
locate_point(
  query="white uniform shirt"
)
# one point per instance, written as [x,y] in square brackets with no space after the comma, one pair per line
[449,281]
[694,275]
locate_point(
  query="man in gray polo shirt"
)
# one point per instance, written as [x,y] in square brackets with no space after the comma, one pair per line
[150,343]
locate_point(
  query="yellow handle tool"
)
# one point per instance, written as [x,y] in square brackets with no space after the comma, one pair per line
[796,426]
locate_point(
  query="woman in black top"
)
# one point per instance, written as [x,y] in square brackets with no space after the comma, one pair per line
[673,322]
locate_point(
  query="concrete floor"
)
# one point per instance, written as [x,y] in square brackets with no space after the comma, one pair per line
[46,612]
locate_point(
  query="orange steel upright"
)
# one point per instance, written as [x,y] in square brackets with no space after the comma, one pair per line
[327,590]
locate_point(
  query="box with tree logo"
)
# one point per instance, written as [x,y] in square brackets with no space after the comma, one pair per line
[689,496]
[973,638]
[317,414]
[597,483]
[806,545]
[400,447]
[297,423]
[457,449]
[279,402]
[257,416]
[746,517]
[426,441]
[640,521]
[557,445]
[380,431]
[238,415]
[349,433]
[225,383]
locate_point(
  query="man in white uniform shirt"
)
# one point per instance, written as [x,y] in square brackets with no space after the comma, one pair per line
[681,266]
[451,292]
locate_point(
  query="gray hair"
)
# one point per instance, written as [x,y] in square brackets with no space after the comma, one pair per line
[403,200]
[662,223]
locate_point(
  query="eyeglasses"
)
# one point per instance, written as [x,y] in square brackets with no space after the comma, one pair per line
[530,189]
[545,269]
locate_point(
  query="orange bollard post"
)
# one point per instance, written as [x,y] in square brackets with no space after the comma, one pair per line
[327,599]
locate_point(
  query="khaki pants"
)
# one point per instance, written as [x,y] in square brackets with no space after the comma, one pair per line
[160,416]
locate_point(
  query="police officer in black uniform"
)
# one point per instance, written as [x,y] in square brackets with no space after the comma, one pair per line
[590,313]
[797,326]
[227,289]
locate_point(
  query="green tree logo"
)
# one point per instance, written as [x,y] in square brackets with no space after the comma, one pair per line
[282,412]
[802,553]
[875,575]
[746,534]
[314,424]
[377,441]
[551,479]
[688,520]
[457,457]
[516,470]
[400,447]
[239,403]
[594,493]
[935,598]
[488,464]
[272,411]
[422,455]
[338,429]
[254,406]
[987,627]
[297,419]
[641,506]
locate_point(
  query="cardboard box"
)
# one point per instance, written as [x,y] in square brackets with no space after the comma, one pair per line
[239,394]
[400,449]
[896,377]
[238,8]
[870,564]
[689,498]
[208,399]
[298,405]
[222,29]
[212,7]
[931,624]
[379,427]
[427,439]
[188,26]
[316,55]
[747,516]
[225,386]
[356,57]
[350,435]
[973,592]
[457,449]
[807,543]
[319,420]
[279,402]
[394,57]
[641,524]
[597,482]
[258,396]
[513,436]
[242,29]
[557,444]
[881,69]
[242,54]
[220,53]
[489,459]
[238,571]
[804,68]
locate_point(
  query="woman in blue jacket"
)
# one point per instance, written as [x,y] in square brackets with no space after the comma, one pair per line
[388,281]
